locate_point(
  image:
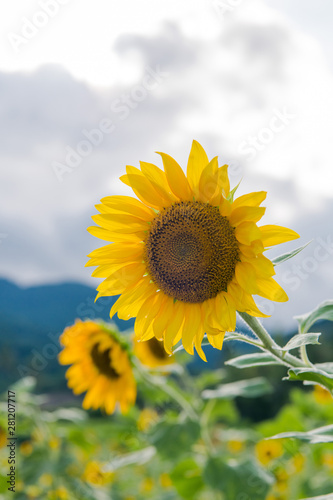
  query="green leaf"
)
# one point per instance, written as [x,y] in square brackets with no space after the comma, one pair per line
[311,375]
[288,255]
[323,311]
[257,359]
[319,435]
[137,457]
[232,192]
[301,339]
[237,479]
[173,438]
[187,478]
[247,388]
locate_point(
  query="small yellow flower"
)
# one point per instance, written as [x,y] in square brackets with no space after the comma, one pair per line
[33,491]
[269,450]
[100,366]
[94,474]
[185,255]
[147,418]
[327,460]
[165,480]
[54,443]
[147,485]
[282,478]
[19,486]
[322,395]
[152,353]
[235,445]
[3,437]
[298,462]
[26,448]
[60,493]
[46,480]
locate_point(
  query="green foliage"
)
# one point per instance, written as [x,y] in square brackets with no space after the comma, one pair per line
[187,479]
[251,388]
[249,360]
[173,439]
[243,479]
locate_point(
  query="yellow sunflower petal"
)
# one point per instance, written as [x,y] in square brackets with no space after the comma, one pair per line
[250,199]
[224,180]
[244,301]
[158,179]
[176,178]
[246,277]
[270,289]
[191,322]
[247,232]
[263,266]
[208,183]
[120,222]
[127,204]
[163,317]
[216,340]
[197,161]
[109,235]
[274,235]
[244,213]
[143,189]
[173,327]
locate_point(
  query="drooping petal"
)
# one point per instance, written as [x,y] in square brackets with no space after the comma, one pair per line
[246,277]
[270,289]
[244,301]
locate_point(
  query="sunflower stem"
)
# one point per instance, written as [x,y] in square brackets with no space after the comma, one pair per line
[304,355]
[270,345]
[170,391]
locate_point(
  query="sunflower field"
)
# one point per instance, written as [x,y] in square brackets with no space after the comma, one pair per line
[152,412]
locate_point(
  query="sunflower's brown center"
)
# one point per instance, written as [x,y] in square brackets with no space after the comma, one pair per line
[191,251]
[102,360]
[157,348]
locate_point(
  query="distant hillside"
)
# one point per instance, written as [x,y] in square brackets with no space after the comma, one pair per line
[31,319]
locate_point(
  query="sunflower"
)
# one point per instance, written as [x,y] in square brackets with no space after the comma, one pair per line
[100,366]
[185,255]
[152,353]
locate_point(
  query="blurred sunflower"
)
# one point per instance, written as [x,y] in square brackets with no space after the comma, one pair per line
[100,366]
[186,256]
[152,353]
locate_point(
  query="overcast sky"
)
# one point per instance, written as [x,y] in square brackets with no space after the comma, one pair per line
[88,87]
